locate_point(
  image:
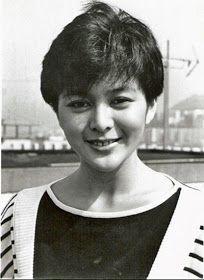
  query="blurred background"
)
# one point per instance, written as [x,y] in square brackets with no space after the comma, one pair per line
[34,149]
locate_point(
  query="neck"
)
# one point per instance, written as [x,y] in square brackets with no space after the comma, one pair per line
[133,184]
[126,180]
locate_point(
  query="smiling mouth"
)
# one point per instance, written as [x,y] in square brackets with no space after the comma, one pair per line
[102,143]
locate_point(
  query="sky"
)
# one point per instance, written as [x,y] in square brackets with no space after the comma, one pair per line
[29,27]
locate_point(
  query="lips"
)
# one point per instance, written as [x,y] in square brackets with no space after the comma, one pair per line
[102,142]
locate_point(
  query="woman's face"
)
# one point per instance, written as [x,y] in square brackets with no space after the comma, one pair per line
[105,125]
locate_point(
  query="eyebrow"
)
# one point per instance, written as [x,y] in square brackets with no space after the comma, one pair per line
[121,89]
[113,90]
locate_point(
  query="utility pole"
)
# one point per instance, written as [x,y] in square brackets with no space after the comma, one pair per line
[191,64]
[166,97]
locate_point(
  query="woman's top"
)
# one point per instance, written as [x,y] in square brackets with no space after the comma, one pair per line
[42,238]
[72,246]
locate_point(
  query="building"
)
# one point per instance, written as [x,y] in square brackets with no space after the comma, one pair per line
[188,113]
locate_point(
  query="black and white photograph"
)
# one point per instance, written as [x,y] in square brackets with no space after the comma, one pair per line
[102,139]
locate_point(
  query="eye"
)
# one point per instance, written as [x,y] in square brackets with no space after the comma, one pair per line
[121,101]
[79,104]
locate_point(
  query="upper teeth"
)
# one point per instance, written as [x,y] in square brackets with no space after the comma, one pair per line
[101,143]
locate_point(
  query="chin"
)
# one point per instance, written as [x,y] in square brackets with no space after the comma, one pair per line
[105,165]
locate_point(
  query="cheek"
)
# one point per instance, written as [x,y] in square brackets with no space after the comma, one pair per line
[72,125]
[134,120]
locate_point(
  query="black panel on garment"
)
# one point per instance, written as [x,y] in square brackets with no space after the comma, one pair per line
[69,246]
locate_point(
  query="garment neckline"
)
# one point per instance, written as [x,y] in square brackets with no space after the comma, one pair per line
[116,214]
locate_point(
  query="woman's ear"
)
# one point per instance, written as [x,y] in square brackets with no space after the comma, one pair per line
[151,110]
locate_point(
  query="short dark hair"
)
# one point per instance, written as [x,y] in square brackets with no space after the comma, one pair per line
[102,42]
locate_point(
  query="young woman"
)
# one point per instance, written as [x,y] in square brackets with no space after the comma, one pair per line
[114,217]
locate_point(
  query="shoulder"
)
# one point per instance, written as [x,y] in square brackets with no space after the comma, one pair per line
[195,186]
[20,201]
[7,204]
[30,195]
[191,195]
[17,228]
[26,205]
[186,229]
[33,191]
[7,240]
[196,189]
[10,204]
[20,204]
[191,201]
[190,206]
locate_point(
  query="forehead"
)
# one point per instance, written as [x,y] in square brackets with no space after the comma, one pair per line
[105,86]
[109,86]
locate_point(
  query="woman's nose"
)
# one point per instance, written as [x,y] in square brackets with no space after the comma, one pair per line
[101,119]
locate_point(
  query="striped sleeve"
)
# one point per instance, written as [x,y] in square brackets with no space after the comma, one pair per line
[8,258]
[194,266]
